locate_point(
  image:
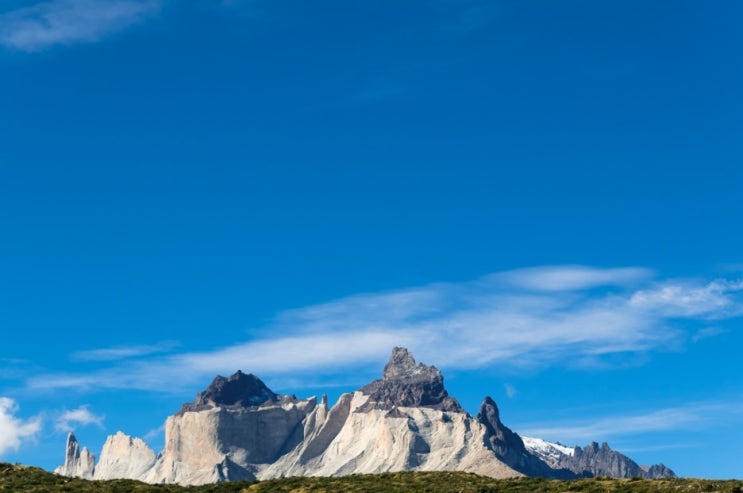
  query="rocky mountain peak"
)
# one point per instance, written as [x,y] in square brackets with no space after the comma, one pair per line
[601,460]
[239,390]
[402,365]
[490,409]
[407,384]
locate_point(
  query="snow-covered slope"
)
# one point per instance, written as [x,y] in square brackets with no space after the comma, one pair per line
[549,452]
[592,460]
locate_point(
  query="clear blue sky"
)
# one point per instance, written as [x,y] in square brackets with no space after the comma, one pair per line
[541,198]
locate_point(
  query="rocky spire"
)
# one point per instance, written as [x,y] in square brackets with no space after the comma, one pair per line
[238,390]
[508,445]
[406,384]
[77,463]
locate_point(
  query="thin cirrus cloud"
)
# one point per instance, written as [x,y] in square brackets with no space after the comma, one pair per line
[699,414]
[710,300]
[522,318]
[123,352]
[14,430]
[74,418]
[63,22]
[572,277]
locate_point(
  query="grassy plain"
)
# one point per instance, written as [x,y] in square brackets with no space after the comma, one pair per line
[18,478]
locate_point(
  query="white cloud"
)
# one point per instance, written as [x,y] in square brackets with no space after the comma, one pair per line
[510,390]
[81,416]
[122,352]
[572,277]
[602,429]
[61,22]
[706,333]
[717,299]
[154,433]
[527,318]
[14,430]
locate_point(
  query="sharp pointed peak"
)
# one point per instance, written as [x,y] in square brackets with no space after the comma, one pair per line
[402,366]
[488,401]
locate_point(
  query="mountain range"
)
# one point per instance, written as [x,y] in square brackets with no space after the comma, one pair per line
[239,429]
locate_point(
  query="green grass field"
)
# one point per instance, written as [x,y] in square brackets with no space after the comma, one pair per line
[32,479]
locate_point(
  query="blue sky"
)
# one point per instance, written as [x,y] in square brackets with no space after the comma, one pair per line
[540,198]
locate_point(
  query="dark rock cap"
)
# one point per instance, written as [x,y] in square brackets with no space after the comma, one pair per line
[407,384]
[238,390]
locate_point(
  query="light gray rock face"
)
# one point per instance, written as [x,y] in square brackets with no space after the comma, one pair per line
[340,442]
[124,457]
[230,443]
[77,463]
[238,429]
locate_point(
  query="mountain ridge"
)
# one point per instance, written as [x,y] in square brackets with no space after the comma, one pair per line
[239,429]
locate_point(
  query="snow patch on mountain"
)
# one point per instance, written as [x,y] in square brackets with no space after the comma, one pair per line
[550,452]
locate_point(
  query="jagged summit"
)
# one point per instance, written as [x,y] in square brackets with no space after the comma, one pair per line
[593,460]
[401,366]
[406,384]
[238,390]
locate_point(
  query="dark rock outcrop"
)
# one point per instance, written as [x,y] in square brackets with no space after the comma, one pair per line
[239,390]
[509,447]
[601,460]
[405,384]
[658,471]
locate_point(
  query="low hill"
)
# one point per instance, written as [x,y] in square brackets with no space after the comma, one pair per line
[18,478]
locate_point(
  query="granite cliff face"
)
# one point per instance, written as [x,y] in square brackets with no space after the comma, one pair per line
[124,457]
[239,429]
[77,463]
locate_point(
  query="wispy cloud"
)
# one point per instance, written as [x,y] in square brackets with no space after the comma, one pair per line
[625,425]
[572,277]
[69,420]
[684,299]
[62,22]
[14,430]
[707,333]
[523,318]
[154,433]
[123,352]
